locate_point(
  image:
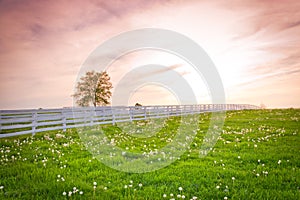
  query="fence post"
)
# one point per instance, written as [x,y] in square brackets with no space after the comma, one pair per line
[34,122]
[113,116]
[64,120]
[145,112]
[130,113]
[92,114]
[168,111]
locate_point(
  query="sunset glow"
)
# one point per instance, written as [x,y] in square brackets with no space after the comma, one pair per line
[253,44]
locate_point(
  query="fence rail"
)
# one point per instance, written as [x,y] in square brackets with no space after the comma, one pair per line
[21,122]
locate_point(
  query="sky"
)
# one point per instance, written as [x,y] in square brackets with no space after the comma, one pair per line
[254,44]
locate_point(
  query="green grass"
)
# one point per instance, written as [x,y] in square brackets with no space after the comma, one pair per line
[257,156]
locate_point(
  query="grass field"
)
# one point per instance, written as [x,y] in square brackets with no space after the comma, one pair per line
[256,157]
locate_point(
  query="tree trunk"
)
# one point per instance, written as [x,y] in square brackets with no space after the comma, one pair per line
[94,102]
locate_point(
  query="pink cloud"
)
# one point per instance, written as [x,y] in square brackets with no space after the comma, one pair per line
[43,43]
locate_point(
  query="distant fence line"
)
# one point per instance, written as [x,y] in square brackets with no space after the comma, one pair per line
[21,122]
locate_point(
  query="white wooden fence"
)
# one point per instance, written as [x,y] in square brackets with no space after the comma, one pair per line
[20,122]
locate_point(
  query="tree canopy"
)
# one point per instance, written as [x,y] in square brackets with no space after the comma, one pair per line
[93,89]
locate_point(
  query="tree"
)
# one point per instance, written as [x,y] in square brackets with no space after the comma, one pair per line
[138,104]
[93,89]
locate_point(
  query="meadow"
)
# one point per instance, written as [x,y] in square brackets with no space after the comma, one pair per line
[257,156]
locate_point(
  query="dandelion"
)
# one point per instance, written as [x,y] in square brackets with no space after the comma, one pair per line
[255,145]
[95,183]
[131,181]
[81,193]
[105,188]
[1,187]
[257,175]
[164,196]
[58,176]
[70,193]
[129,185]
[279,161]
[125,186]
[195,198]
[218,187]
[233,178]
[225,198]
[258,161]
[64,193]
[239,157]
[180,188]
[178,196]
[171,195]
[140,185]
[183,197]
[265,172]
